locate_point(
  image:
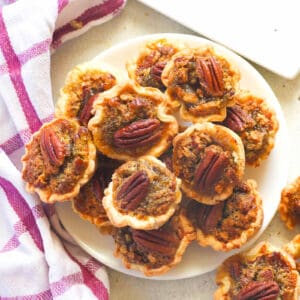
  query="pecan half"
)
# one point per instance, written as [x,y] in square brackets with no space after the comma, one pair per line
[157,70]
[137,134]
[133,190]
[259,290]
[210,170]
[85,113]
[208,216]
[236,118]
[98,186]
[159,240]
[52,148]
[210,76]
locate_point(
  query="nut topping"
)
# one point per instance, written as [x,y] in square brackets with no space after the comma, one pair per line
[161,241]
[85,113]
[210,169]
[52,148]
[259,290]
[157,70]
[210,76]
[133,190]
[138,134]
[208,216]
[236,118]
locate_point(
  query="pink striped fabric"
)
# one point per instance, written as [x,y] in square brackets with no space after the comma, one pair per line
[29,243]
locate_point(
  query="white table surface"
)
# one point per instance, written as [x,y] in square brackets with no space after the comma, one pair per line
[135,20]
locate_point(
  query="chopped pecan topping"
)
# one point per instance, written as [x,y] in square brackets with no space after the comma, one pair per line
[52,148]
[210,76]
[160,240]
[210,169]
[133,190]
[208,216]
[259,290]
[138,134]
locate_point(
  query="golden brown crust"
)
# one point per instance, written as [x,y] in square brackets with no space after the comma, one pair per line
[190,152]
[147,67]
[201,82]
[264,264]
[150,261]
[289,207]
[256,124]
[81,87]
[233,223]
[293,248]
[127,104]
[156,206]
[58,160]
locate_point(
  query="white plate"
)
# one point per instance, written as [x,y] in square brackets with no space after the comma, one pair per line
[271,175]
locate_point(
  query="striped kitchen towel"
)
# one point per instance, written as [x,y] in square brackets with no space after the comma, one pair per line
[34,262]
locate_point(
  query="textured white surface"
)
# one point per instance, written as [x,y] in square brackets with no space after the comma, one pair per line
[138,20]
[262,32]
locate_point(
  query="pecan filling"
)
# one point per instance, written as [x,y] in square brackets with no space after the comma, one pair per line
[150,248]
[197,81]
[144,188]
[59,157]
[150,66]
[206,166]
[265,276]
[89,200]
[228,219]
[131,125]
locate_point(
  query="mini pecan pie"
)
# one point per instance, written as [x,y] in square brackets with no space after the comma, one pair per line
[201,82]
[210,160]
[143,194]
[154,252]
[230,223]
[256,124]
[59,159]
[289,208]
[88,203]
[261,273]
[82,86]
[132,121]
[147,68]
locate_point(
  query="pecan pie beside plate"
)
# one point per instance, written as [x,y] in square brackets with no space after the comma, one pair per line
[143,194]
[263,272]
[154,252]
[132,121]
[82,86]
[59,159]
[147,68]
[201,82]
[210,161]
[231,223]
[256,124]
[289,207]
